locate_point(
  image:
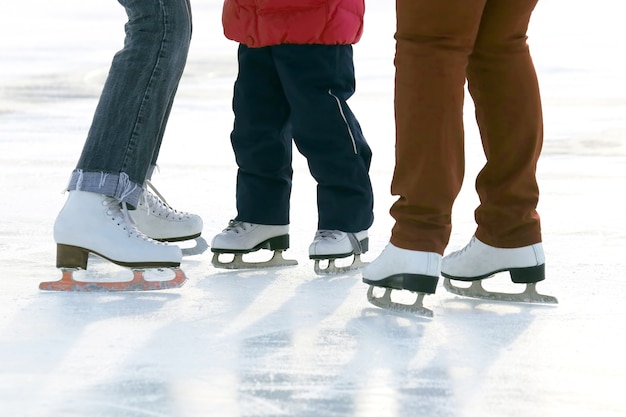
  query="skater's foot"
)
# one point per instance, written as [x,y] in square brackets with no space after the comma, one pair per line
[333,244]
[330,245]
[94,223]
[158,220]
[403,269]
[243,237]
[478,260]
[240,238]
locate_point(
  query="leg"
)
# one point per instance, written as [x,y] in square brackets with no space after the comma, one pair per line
[124,136]
[434,40]
[166,115]
[503,84]
[261,140]
[133,109]
[317,80]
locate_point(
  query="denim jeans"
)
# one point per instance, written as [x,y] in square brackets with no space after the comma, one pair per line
[123,142]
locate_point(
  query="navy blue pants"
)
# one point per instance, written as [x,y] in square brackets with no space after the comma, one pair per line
[298,93]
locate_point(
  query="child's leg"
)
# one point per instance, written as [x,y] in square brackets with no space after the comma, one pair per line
[261,140]
[317,80]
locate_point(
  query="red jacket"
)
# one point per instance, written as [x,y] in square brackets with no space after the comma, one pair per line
[258,23]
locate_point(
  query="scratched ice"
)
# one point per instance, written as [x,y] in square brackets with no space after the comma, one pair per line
[287,342]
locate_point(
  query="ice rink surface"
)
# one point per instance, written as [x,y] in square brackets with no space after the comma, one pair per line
[286,342]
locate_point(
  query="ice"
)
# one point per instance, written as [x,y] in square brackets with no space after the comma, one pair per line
[285,342]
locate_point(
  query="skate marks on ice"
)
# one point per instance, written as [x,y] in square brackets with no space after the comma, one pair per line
[85,354]
[51,88]
[103,276]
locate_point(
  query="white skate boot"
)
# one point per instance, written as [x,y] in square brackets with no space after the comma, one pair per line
[94,223]
[335,244]
[478,261]
[240,238]
[158,220]
[403,269]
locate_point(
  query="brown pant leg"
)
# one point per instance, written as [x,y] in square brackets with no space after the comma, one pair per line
[503,83]
[434,40]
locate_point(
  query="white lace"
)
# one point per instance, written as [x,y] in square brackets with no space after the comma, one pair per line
[119,214]
[155,204]
[465,249]
[328,234]
[236,226]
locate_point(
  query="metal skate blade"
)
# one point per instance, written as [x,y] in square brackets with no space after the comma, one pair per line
[238,262]
[385,302]
[476,290]
[137,283]
[200,247]
[333,269]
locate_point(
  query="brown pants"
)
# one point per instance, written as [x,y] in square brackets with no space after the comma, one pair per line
[440,45]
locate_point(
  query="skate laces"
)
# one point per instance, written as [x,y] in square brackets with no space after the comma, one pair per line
[236,226]
[465,249]
[119,213]
[155,204]
[328,234]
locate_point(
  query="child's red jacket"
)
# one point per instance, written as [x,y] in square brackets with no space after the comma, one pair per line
[258,23]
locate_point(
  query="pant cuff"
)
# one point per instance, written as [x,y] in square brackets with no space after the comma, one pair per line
[118,186]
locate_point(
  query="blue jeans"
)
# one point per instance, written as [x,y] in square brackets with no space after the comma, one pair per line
[298,93]
[127,129]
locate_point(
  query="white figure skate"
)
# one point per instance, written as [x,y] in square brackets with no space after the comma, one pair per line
[330,245]
[240,238]
[478,261]
[158,220]
[402,269]
[91,223]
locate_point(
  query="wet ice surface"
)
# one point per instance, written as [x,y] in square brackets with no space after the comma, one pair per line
[286,342]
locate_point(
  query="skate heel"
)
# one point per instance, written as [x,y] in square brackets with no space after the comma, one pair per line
[277,243]
[419,283]
[365,245]
[71,257]
[528,275]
